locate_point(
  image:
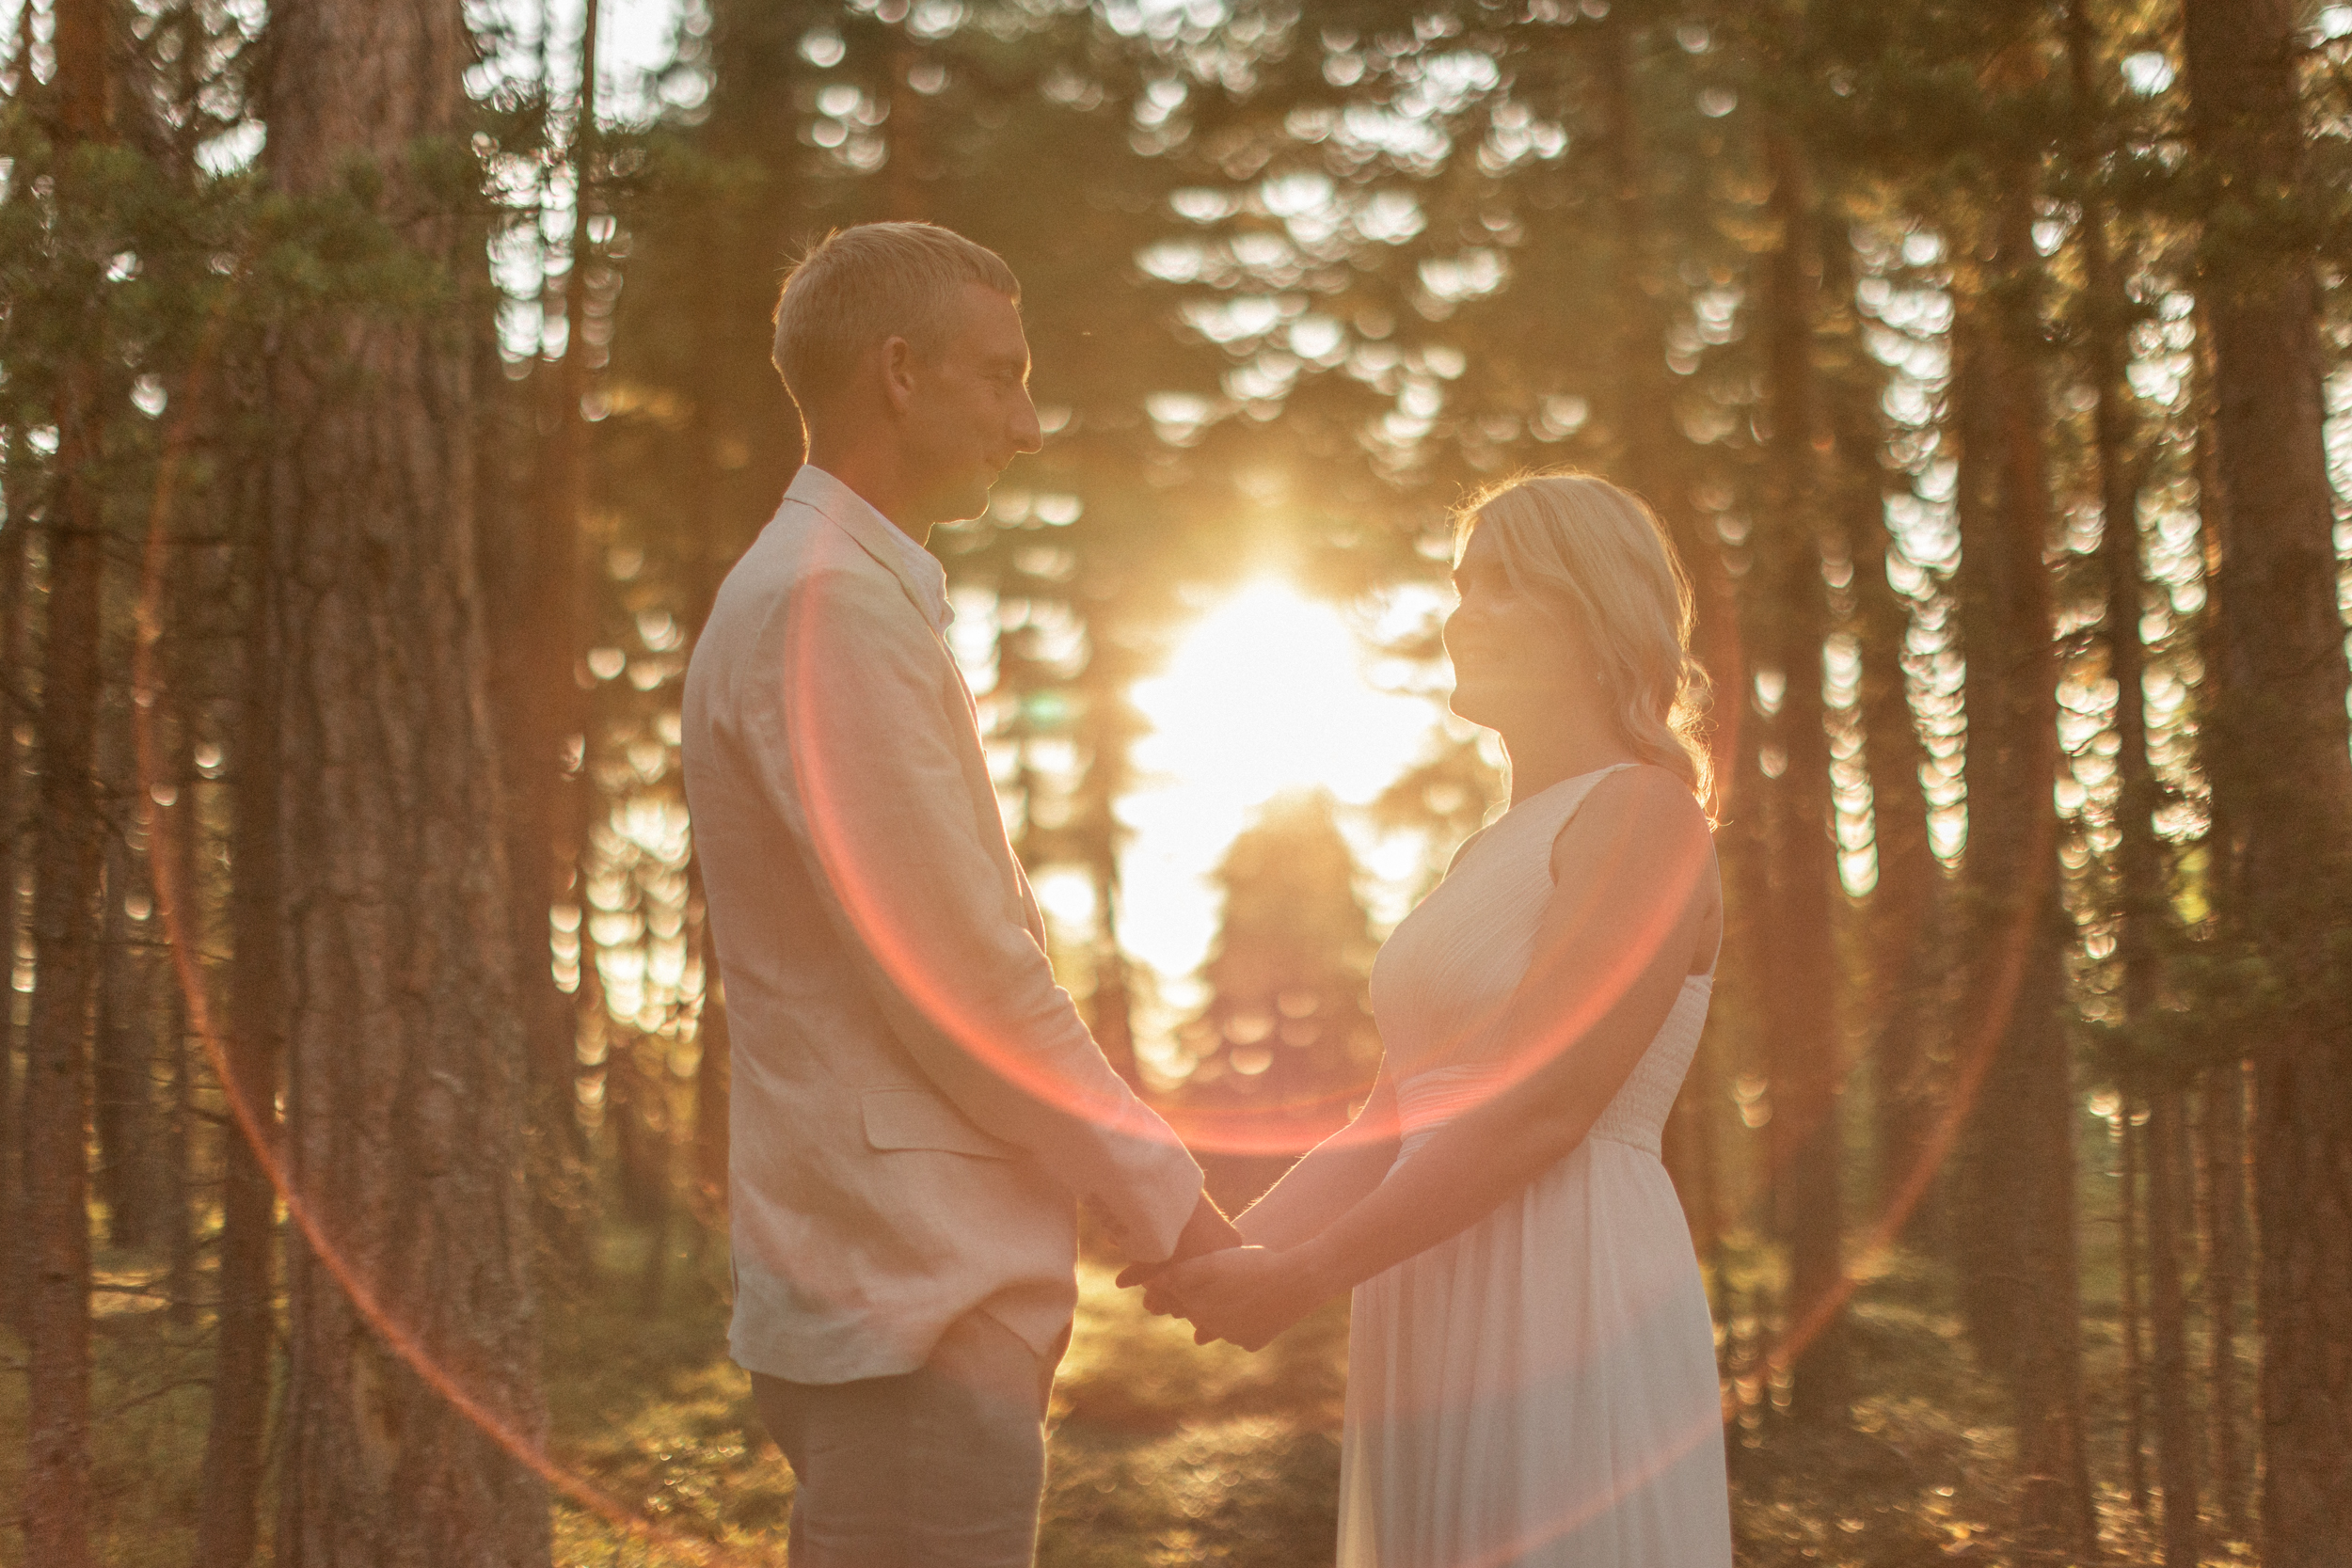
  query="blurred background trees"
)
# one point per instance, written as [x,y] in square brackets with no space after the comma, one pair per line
[374,432]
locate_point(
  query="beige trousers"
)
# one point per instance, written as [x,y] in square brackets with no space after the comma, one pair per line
[940,1467]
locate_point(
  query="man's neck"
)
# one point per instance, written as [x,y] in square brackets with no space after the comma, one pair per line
[875,480]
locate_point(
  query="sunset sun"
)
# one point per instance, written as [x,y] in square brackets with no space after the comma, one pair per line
[1268,691]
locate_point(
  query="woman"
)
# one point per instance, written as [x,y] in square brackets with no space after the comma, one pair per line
[1532,1369]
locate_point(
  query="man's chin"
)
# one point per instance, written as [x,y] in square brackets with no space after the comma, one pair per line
[962,506]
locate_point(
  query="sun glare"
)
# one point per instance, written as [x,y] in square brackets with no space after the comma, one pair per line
[1266,692]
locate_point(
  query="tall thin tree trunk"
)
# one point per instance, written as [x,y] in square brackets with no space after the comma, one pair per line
[2142,902]
[2223,1126]
[12,1220]
[2224,1122]
[2021,1164]
[1802,997]
[56,1484]
[1649,435]
[228,1526]
[541,569]
[175,827]
[2169,1216]
[123,1067]
[413,1355]
[1904,963]
[2127,1224]
[2278,754]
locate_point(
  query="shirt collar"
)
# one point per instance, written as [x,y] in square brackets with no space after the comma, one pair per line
[918,570]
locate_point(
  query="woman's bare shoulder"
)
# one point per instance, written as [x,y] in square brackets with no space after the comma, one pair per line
[1644,808]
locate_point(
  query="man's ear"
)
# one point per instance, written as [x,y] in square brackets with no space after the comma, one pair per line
[897,368]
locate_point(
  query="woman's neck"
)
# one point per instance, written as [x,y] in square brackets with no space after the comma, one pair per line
[1543,755]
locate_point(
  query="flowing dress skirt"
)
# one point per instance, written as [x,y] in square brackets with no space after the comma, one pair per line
[1539,1391]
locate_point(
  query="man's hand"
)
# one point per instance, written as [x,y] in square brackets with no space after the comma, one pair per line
[1207,1231]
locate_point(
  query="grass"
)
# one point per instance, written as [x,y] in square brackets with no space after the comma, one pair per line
[1162,1452]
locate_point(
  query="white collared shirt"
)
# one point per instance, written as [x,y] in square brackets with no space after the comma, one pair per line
[921,569]
[916,1102]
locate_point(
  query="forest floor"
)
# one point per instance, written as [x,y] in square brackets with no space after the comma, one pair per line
[1162,1453]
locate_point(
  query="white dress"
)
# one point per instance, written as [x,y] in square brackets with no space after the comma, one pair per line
[1538,1391]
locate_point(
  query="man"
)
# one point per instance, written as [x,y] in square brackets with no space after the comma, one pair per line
[916,1103]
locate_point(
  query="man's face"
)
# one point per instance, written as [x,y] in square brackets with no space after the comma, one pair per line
[969,412]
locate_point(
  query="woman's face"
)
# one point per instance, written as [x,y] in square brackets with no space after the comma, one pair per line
[1514,661]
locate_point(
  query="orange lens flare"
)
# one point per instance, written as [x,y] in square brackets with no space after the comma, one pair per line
[253,1123]
[1287,1127]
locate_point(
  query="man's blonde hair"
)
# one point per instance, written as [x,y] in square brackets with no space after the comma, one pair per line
[1601,558]
[859,286]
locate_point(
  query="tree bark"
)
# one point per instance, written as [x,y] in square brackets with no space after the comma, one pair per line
[123,1067]
[174,832]
[1802,991]
[13,1219]
[2224,1127]
[2142,902]
[228,1526]
[413,1394]
[1649,437]
[2277,753]
[541,568]
[2127,1223]
[2018,1226]
[2168,1216]
[1904,965]
[69,856]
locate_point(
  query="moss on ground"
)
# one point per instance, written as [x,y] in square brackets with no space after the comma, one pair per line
[1162,1452]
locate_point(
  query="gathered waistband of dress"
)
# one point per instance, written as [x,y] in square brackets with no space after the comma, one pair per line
[1427,1100]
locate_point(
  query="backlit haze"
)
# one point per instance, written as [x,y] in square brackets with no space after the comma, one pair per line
[1267,690]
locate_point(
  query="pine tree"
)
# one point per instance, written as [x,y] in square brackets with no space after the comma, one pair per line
[405,1072]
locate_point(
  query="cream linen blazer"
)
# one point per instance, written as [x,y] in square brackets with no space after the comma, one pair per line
[917,1105]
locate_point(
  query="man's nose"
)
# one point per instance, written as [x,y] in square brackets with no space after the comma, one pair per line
[1026,436]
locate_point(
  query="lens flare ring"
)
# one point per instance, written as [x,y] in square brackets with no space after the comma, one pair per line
[253,1124]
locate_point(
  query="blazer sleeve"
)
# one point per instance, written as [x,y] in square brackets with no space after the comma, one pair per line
[870,767]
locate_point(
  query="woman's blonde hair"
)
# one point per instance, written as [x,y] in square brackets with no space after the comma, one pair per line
[1599,558]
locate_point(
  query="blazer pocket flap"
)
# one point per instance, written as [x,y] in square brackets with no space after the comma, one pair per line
[916,1118]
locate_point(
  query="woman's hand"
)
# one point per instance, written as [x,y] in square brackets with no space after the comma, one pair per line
[1247,1294]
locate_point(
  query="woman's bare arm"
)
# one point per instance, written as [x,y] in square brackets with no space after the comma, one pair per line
[1337,1174]
[1635,905]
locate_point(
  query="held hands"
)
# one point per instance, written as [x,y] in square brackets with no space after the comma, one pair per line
[1227,1289]
[1207,1230]
[1247,1294]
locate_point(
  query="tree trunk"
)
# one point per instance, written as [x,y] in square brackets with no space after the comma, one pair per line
[57,1485]
[542,569]
[1905,964]
[123,1067]
[2277,753]
[2223,1125]
[2224,1120]
[2169,1216]
[2143,904]
[173,832]
[1802,995]
[2127,1223]
[413,1359]
[2019,1220]
[13,1219]
[1649,435]
[233,1443]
